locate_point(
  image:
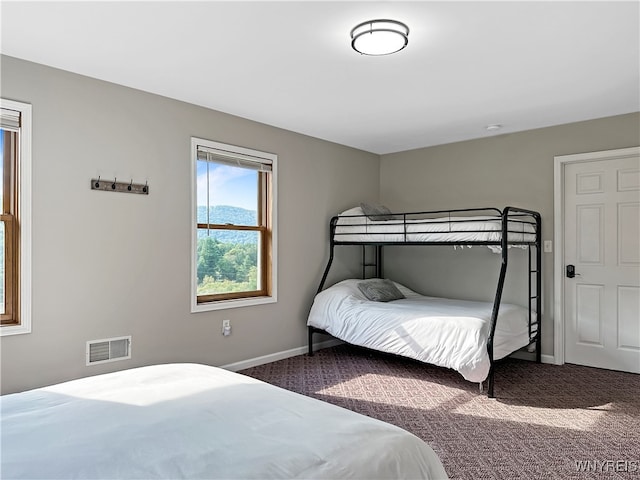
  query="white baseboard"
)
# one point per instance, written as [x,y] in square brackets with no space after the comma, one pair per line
[274,357]
[548,359]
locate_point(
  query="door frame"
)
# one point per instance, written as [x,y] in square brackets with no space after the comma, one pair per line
[559,163]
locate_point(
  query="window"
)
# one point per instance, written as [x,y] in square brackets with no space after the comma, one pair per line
[234,219]
[15,221]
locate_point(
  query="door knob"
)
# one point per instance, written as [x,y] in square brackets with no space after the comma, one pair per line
[571,271]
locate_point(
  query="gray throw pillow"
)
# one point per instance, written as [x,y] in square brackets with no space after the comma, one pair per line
[376,212]
[380,290]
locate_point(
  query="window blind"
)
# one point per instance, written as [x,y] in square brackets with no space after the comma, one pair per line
[9,119]
[234,159]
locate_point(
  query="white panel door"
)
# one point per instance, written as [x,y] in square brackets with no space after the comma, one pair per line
[602,242]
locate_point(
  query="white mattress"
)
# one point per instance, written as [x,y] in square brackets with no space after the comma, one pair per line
[194,421]
[354,226]
[445,332]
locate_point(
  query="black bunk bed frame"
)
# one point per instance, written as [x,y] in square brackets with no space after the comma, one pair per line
[507,216]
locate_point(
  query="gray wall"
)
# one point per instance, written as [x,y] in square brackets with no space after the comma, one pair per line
[510,169]
[113,264]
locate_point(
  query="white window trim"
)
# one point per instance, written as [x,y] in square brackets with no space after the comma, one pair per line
[24,212]
[241,302]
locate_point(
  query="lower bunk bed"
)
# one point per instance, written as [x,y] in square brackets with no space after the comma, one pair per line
[441,331]
[464,335]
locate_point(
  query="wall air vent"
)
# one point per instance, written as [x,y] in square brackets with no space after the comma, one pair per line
[108,350]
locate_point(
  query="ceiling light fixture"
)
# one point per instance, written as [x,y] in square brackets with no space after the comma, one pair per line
[379,37]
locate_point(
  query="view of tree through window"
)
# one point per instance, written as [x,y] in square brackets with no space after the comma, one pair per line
[8,274]
[227,251]
[15,221]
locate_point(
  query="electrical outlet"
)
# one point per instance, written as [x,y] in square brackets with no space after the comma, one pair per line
[226,327]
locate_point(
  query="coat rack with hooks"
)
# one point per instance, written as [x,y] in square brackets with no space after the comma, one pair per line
[116,186]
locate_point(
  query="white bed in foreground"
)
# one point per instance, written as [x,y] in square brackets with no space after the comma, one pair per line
[445,332]
[195,421]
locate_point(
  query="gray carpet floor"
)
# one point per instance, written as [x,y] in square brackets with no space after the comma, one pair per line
[546,422]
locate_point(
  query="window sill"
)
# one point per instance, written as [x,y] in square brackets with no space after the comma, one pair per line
[14,330]
[225,304]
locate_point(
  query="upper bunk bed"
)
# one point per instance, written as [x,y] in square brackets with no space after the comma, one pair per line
[499,230]
[475,226]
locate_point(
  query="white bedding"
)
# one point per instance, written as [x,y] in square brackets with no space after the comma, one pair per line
[354,226]
[440,331]
[194,421]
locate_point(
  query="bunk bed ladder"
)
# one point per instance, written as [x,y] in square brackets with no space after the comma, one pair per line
[537,298]
[537,270]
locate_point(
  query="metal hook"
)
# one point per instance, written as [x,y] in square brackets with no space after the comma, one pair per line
[98,182]
[144,189]
[113,185]
[130,185]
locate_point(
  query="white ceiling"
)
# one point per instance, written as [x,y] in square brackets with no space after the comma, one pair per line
[289,64]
